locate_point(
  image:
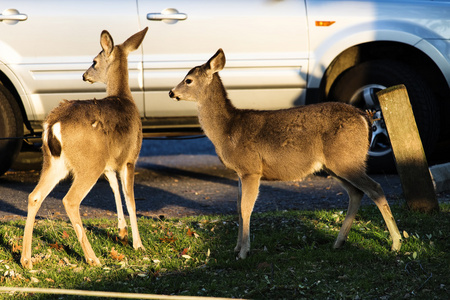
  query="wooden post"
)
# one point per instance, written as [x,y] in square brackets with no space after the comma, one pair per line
[409,155]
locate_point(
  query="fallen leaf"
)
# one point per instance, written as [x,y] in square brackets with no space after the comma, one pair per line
[65,262]
[116,256]
[56,246]
[167,239]
[192,233]
[34,280]
[65,235]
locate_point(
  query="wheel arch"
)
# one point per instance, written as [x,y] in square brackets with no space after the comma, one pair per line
[15,90]
[397,51]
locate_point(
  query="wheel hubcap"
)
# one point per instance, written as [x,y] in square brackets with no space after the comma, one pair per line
[366,98]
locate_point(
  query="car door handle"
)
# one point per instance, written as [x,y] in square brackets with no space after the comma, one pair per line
[12,16]
[169,15]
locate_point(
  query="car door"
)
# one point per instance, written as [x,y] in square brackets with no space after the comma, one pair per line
[265,43]
[51,48]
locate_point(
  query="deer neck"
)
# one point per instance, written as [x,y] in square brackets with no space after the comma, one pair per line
[117,84]
[216,112]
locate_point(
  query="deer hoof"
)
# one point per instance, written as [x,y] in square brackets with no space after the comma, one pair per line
[123,235]
[139,247]
[396,245]
[26,263]
[242,255]
[93,261]
[338,244]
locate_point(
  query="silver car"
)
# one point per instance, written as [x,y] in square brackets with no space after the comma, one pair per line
[280,53]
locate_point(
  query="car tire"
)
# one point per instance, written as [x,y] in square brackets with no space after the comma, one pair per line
[11,126]
[359,85]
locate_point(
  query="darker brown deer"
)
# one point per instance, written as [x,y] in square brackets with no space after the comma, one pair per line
[286,144]
[89,138]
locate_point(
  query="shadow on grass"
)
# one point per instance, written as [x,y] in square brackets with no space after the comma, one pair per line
[291,258]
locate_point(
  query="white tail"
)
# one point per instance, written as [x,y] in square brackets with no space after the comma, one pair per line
[89,138]
[284,145]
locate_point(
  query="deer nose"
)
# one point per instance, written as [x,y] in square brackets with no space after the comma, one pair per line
[85,78]
[171,94]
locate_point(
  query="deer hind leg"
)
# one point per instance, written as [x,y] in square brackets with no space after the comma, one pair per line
[122,224]
[250,189]
[81,186]
[374,191]
[51,174]
[127,177]
[355,195]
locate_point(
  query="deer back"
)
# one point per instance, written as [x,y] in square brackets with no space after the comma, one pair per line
[282,144]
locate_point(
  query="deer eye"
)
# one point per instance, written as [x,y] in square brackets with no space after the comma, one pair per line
[188,81]
[94,63]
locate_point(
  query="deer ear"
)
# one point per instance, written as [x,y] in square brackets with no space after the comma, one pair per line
[106,42]
[134,41]
[217,62]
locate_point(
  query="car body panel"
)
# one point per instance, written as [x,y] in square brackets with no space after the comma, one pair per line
[275,51]
[50,51]
[239,27]
[359,22]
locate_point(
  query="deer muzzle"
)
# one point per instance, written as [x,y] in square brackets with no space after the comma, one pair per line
[172,95]
[86,78]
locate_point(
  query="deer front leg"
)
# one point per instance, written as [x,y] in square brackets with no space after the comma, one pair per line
[250,189]
[127,177]
[355,196]
[122,224]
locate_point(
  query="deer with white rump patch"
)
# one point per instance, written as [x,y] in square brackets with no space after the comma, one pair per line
[89,138]
[286,144]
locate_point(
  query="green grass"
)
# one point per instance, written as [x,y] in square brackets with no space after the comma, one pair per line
[291,257]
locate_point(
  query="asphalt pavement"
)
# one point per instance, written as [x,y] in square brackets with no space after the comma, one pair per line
[176,178]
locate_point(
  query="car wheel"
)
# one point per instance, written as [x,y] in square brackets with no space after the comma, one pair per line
[11,125]
[358,86]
